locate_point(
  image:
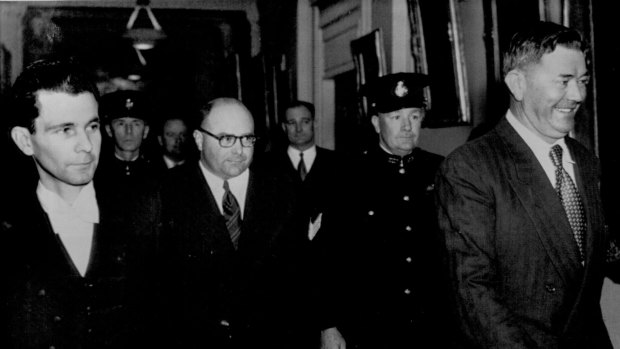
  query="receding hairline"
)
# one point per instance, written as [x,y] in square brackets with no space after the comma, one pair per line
[221,102]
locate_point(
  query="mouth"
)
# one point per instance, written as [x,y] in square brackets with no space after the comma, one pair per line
[567,109]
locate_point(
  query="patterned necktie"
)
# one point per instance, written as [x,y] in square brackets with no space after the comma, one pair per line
[232,214]
[301,167]
[569,196]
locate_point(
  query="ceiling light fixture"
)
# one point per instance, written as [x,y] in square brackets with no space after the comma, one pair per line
[143,38]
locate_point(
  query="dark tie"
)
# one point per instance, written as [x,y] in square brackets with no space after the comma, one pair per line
[232,214]
[569,196]
[301,167]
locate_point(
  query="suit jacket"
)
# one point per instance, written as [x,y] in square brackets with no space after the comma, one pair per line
[47,303]
[517,277]
[322,182]
[219,296]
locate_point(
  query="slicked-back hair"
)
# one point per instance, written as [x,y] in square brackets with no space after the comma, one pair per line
[297,104]
[528,46]
[53,75]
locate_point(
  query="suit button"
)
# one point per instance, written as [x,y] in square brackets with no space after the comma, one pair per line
[406,197]
[407,291]
[408,259]
[371,213]
[550,288]
[408,228]
[57,318]
[401,171]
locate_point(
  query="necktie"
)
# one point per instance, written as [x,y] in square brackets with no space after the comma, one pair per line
[301,167]
[569,196]
[232,214]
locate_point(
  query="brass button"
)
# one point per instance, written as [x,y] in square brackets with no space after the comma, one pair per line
[408,228]
[371,213]
[406,197]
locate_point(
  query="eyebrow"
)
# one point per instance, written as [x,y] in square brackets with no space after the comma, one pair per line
[66,124]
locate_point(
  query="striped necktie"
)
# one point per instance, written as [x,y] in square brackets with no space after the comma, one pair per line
[232,214]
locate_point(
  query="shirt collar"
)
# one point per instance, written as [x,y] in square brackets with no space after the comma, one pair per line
[85,205]
[395,159]
[540,148]
[238,185]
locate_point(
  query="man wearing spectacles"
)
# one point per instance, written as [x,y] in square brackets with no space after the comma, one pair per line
[235,239]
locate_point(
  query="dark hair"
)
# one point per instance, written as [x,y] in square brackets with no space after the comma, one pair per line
[56,75]
[297,104]
[528,46]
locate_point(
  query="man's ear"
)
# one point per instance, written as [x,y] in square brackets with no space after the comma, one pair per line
[160,140]
[515,81]
[375,123]
[283,126]
[22,138]
[146,131]
[108,130]
[198,139]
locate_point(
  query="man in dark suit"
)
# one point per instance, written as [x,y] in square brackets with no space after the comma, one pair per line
[75,258]
[520,208]
[236,240]
[380,241]
[317,172]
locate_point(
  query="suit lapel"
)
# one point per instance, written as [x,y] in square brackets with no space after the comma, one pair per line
[587,183]
[208,213]
[541,202]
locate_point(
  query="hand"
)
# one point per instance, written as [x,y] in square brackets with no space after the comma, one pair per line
[332,339]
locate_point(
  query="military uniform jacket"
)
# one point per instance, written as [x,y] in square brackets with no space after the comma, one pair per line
[389,254]
[46,303]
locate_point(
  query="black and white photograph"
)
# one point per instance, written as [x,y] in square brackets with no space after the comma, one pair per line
[309,174]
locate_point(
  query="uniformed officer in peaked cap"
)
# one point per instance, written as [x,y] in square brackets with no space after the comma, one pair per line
[397,91]
[126,115]
[394,291]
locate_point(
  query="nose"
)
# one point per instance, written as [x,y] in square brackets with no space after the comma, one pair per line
[84,143]
[298,127]
[576,92]
[128,129]
[237,148]
[406,123]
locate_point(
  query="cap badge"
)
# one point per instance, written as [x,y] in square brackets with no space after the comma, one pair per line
[128,104]
[401,90]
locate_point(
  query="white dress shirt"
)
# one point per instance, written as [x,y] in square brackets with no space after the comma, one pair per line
[238,186]
[309,156]
[541,149]
[75,223]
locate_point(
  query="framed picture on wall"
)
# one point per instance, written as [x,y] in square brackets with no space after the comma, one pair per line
[369,58]
[437,50]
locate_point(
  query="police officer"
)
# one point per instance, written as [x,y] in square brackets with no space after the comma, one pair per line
[389,287]
[126,114]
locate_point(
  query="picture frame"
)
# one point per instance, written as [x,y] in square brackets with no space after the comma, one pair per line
[368,55]
[437,50]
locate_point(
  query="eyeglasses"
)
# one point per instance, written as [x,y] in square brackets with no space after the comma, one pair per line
[227,141]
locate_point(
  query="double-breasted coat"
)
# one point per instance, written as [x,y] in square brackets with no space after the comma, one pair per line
[514,263]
